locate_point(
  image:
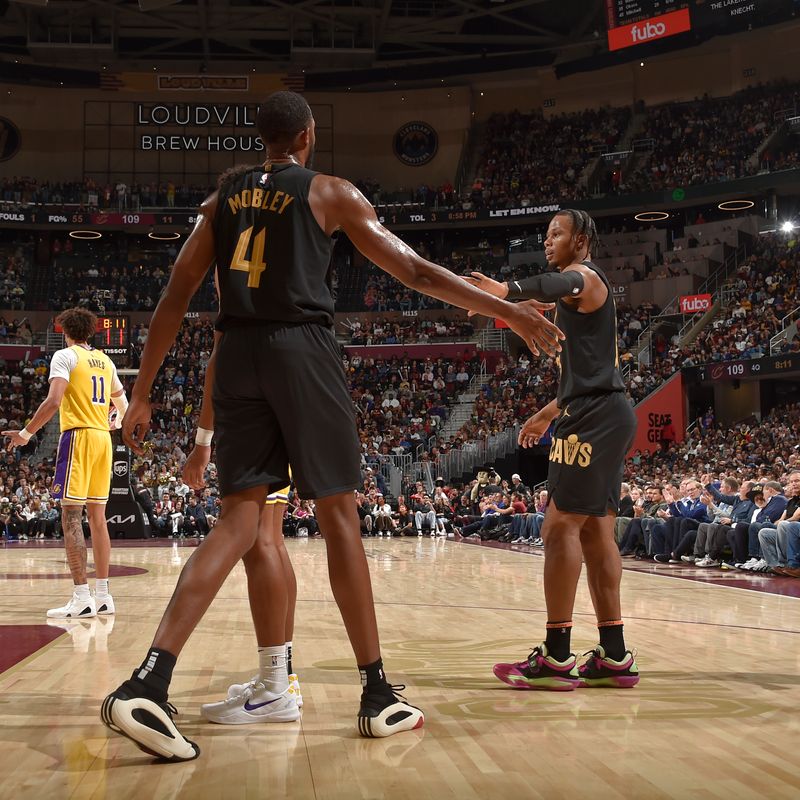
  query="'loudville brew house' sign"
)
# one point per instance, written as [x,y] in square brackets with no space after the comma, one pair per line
[189,126]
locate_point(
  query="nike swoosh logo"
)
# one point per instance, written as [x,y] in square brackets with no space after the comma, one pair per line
[248,707]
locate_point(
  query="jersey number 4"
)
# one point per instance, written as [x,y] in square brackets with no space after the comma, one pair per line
[254,265]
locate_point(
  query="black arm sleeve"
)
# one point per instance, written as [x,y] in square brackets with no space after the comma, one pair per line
[548,287]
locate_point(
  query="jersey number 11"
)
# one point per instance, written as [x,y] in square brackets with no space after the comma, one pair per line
[98,390]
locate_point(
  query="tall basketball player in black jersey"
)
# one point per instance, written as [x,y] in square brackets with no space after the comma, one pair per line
[269,231]
[594,431]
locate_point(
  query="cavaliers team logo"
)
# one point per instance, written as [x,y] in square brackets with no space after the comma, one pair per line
[10,139]
[416,143]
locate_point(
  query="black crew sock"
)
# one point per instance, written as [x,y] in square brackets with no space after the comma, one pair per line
[373,680]
[558,640]
[153,677]
[612,640]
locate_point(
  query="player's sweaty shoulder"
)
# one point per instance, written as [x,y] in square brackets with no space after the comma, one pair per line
[333,201]
[330,190]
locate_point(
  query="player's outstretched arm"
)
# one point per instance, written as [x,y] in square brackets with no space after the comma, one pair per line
[191,266]
[45,412]
[577,282]
[337,204]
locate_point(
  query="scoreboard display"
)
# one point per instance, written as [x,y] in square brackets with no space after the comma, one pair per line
[112,335]
[729,15]
[633,22]
[112,331]
[636,22]
[626,12]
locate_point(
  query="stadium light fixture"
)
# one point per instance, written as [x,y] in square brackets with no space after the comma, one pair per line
[168,236]
[651,216]
[735,205]
[787,227]
[87,235]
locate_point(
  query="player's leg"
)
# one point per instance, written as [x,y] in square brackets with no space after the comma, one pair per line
[382,712]
[101,541]
[267,698]
[349,573]
[551,665]
[325,460]
[276,528]
[101,550]
[99,455]
[71,486]
[610,664]
[81,604]
[139,708]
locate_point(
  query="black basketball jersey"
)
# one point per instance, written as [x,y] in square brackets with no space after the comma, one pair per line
[272,256]
[589,358]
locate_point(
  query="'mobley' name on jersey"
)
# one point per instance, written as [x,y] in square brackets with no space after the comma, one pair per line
[259,198]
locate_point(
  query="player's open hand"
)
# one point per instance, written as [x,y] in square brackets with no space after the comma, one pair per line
[136,424]
[533,430]
[195,467]
[15,440]
[527,321]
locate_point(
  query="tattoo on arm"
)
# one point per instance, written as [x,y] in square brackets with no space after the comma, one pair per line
[74,542]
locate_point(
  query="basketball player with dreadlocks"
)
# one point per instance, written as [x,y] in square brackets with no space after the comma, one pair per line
[593,432]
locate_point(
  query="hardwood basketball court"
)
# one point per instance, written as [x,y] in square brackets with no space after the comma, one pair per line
[715,715]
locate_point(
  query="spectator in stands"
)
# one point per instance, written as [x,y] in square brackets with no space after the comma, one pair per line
[196,521]
[636,536]
[774,541]
[382,516]
[425,515]
[775,505]
[728,509]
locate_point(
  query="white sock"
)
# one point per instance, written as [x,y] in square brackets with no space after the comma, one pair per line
[288,648]
[82,590]
[272,668]
[101,586]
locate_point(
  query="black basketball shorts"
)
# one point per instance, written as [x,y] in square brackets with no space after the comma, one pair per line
[590,440]
[280,398]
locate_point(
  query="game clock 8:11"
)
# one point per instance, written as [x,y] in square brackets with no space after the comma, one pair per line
[112,331]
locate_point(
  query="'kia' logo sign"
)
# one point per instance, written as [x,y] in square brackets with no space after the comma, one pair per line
[695,303]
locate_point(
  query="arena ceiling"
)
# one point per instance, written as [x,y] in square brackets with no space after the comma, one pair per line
[334,41]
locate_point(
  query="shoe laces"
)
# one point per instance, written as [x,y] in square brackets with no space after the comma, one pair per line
[535,654]
[397,688]
[595,653]
[170,709]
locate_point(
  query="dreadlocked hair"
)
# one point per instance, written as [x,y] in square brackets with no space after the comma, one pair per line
[233,173]
[582,223]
